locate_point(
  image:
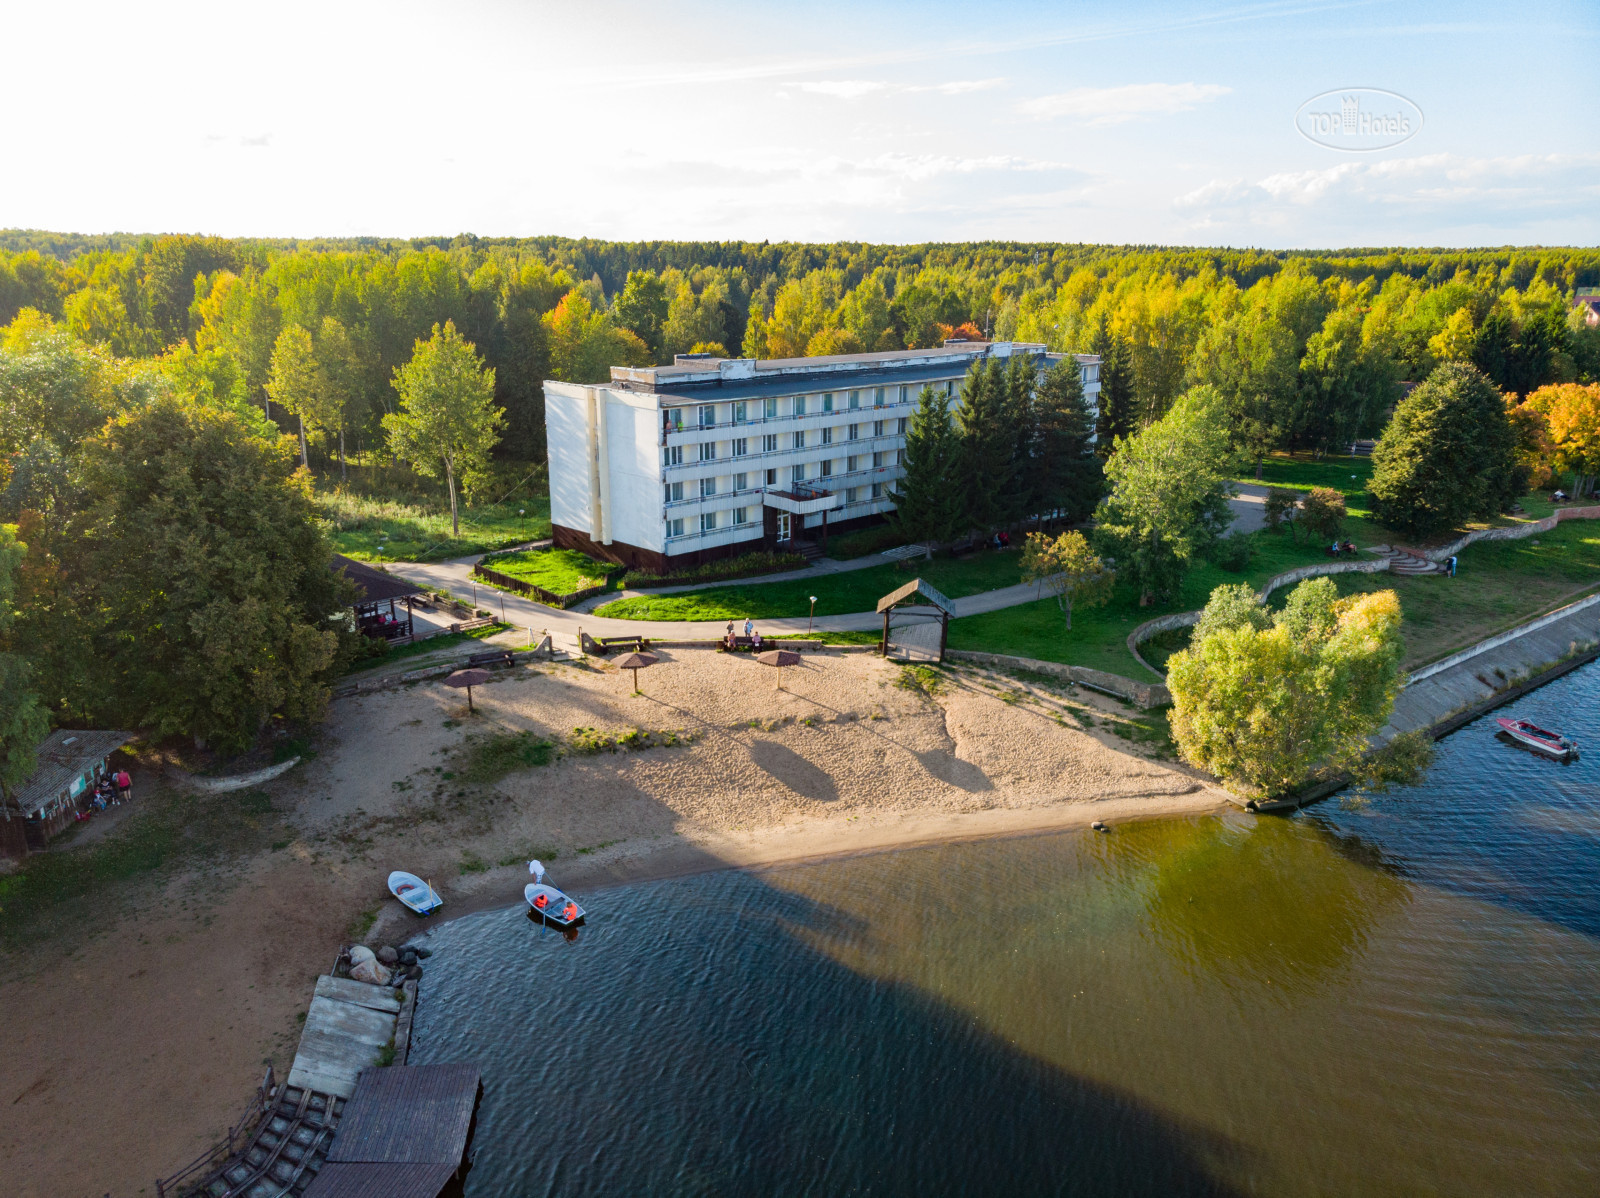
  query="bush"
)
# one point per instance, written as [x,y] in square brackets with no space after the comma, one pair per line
[1234,551]
[1280,507]
[1322,513]
[864,541]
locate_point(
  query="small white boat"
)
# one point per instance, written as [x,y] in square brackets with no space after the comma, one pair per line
[1542,740]
[416,894]
[549,905]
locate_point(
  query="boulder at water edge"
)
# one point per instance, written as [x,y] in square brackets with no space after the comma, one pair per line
[364,966]
[388,954]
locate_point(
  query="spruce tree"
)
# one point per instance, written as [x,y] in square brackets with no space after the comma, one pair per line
[988,447]
[927,499]
[1116,416]
[1067,477]
[1026,495]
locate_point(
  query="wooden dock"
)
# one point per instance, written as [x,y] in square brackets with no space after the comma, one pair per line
[403,1134]
[348,1027]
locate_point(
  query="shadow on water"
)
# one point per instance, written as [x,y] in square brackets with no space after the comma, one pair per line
[694,1043]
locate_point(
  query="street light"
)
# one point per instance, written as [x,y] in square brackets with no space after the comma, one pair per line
[813,615]
[522,528]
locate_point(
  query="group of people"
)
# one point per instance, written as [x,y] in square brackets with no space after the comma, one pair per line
[731,640]
[1000,540]
[111,790]
[1343,549]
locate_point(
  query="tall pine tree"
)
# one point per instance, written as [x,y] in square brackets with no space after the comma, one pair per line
[988,446]
[1067,478]
[1116,417]
[927,499]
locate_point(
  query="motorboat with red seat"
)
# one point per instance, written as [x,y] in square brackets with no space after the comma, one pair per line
[549,905]
[1541,740]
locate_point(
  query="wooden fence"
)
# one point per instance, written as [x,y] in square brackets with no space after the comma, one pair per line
[536,592]
[239,1135]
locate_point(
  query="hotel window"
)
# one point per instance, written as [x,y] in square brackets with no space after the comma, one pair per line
[797,473]
[672,418]
[850,494]
[675,527]
[708,487]
[827,401]
[741,515]
[674,455]
[877,490]
[899,457]
[877,398]
[769,408]
[878,460]
[799,405]
[827,436]
[769,443]
[855,399]
[901,427]
[877,428]
[708,451]
[853,433]
[738,412]
[708,521]
[950,387]
[852,463]
[708,416]
[772,478]
[905,393]
[741,481]
[800,440]
[674,492]
[827,467]
[741,446]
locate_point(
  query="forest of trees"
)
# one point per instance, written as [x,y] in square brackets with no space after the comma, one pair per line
[1305,348]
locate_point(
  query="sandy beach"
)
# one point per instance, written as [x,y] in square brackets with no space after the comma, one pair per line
[191,981]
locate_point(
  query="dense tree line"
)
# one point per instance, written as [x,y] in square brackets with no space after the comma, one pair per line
[1306,349]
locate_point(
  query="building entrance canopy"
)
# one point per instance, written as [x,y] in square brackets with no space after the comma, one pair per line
[801,503]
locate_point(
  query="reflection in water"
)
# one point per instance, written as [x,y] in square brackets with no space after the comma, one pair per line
[1392,996]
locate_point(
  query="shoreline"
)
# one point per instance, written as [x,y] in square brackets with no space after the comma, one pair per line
[807,844]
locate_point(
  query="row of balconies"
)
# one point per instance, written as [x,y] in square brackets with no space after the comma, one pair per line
[887,443]
[754,528]
[829,482]
[692,425]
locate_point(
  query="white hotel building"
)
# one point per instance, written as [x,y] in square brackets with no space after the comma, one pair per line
[669,466]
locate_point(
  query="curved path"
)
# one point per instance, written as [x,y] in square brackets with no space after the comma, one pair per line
[456,577]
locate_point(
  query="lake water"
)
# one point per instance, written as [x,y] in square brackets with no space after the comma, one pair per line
[1385,995]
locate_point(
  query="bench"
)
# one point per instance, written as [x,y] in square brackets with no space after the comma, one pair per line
[637,643]
[496,657]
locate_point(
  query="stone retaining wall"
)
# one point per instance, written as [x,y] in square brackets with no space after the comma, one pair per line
[1141,694]
[1513,533]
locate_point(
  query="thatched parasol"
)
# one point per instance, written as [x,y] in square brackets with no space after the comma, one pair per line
[637,662]
[467,679]
[779,658]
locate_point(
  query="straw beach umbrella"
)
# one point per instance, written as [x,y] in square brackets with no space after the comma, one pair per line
[637,662]
[779,658]
[466,680]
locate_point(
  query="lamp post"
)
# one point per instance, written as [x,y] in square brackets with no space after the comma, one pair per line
[812,617]
[522,527]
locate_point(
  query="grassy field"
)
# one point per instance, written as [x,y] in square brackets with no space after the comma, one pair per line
[1098,638]
[560,571]
[372,529]
[837,594]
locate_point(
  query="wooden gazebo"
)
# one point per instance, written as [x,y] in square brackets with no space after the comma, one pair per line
[378,591]
[916,621]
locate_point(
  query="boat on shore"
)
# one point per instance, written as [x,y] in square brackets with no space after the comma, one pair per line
[420,897]
[550,906]
[1540,740]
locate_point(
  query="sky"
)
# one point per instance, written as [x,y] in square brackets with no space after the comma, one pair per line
[1172,123]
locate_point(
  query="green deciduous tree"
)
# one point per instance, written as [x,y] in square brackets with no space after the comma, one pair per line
[1322,513]
[23,719]
[204,575]
[1262,707]
[1448,455]
[642,308]
[448,421]
[296,383]
[1168,499]
[1069,567]
[927,499]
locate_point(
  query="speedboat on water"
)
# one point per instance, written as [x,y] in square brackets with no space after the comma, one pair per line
[1541,740]
[416,894]
[549,905]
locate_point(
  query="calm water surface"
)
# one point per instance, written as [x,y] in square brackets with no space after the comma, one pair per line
[1385,995]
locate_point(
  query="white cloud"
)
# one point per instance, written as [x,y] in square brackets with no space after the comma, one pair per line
[1110,105]
[854,89]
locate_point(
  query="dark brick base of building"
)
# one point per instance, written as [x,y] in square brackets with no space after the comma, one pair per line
[651,561]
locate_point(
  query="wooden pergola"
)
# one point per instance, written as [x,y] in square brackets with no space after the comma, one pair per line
[377,589]
[917,594]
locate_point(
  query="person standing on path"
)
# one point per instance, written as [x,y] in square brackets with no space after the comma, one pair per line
[124,786]
[748,626]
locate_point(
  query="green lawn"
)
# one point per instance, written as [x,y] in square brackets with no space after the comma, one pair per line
[560,571]
[1098,638]
[420,532]
[837,594]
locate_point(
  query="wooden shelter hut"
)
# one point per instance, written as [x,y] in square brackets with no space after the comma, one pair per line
[916,622]
[378,593]
[70,764]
